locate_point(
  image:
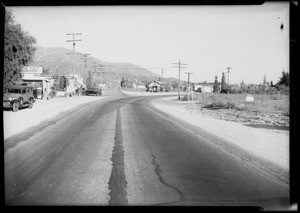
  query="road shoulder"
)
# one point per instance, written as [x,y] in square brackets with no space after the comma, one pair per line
[266,148]
[43,110]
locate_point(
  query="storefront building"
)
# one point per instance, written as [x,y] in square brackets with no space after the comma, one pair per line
[32,75]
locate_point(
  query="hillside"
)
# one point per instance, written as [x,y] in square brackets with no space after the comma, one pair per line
[58,60]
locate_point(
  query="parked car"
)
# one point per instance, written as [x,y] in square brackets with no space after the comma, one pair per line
[18,96]
[198,89]
[93,91]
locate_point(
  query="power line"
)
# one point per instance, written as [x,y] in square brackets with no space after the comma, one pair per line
[245,47]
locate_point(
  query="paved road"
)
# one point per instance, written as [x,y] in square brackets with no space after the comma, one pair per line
[121,151]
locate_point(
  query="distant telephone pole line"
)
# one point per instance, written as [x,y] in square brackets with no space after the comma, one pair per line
[74,42]
[179,65]
[228,68]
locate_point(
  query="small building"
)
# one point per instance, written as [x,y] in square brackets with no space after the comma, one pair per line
[204,87]
[32,75]
[156,86]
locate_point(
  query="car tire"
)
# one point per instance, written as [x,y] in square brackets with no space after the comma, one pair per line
[15,106]
[21,102]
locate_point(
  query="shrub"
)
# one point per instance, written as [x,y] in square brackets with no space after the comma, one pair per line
[283,89]
[272,91]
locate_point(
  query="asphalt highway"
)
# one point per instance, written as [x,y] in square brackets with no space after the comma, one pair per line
[122,151]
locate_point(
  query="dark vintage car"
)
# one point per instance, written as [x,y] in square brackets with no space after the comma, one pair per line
[18,96]
[93,91]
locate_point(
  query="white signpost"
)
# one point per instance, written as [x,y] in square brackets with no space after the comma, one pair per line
[249,99]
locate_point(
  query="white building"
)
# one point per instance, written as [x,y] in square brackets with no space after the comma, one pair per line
[33,76]
[208,87]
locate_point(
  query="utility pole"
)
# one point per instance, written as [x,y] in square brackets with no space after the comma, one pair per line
[188,92]
[85,59]
[228,74]
[179,65]
[162,73]
[189,76]
[74,41]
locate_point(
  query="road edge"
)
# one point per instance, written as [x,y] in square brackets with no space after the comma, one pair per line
[266,165]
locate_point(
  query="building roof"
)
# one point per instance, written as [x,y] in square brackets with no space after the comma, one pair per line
[35,78]
[161,82]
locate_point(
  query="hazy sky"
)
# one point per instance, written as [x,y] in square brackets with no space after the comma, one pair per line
[208,38]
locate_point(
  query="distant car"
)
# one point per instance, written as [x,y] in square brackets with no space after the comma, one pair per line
[18,96]
[198,90]
[93,91]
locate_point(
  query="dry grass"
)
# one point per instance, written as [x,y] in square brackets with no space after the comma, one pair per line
[262,102]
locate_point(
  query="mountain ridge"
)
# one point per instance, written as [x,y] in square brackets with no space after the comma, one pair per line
[59,61]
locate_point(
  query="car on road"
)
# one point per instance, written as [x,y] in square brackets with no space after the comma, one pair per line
[93,91]
[18,96]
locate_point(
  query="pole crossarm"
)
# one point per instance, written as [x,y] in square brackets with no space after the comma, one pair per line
[73,34]
[73,40]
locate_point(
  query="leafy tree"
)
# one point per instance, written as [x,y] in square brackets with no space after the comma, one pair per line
[19,49]
[284,79]
[174,84]
[61,83]
[91,81]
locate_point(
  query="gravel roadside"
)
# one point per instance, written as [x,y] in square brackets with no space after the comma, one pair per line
[16,122]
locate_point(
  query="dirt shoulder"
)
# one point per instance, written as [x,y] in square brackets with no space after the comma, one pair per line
[270,144]
[16,122]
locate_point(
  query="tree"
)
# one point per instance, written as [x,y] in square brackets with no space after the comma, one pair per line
[90,81]
[284,79]
[122,82]
[216,85]
[223,82]
[19,49]
[61,83]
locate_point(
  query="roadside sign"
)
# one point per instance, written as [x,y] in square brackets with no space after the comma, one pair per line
[32,70]
[249,99]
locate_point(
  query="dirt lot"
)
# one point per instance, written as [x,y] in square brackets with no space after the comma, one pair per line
[276,120]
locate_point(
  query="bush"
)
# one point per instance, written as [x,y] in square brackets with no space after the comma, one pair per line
[272,91]
[283,89]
